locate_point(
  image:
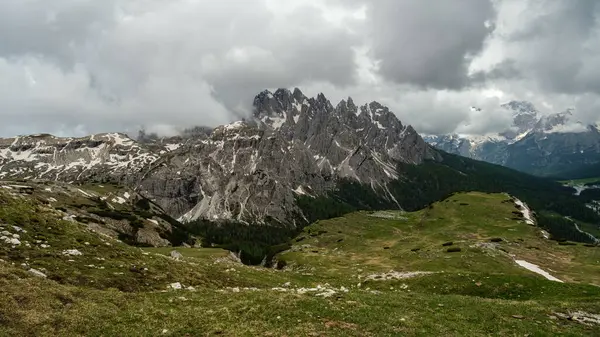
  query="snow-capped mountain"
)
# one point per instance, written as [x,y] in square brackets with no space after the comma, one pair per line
[542,145]
[248,170]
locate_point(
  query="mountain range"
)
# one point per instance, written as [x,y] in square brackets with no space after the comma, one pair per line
[248,170]
[545,145]
[295,161]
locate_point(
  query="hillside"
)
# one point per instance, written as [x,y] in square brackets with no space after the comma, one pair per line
[114,211]
[431,181]
[367,273]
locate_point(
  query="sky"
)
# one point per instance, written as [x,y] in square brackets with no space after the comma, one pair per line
[74,67]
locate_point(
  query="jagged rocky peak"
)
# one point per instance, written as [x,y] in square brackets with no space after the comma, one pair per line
[284,108]
[332,132]
[525,118]
[381,116]
[349,104]
[273,110]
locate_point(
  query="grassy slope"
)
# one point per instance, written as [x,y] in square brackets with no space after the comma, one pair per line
[581,181]
[112,210]
[420,185]
[474,292]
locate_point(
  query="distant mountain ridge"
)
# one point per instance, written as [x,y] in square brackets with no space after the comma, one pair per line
[549,145]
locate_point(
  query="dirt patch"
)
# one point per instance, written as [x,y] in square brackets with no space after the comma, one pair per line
[339,324]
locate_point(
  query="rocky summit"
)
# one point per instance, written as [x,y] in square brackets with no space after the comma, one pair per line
[250,170]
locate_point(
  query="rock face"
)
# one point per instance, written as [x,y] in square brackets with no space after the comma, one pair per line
[248,170]
[542,145]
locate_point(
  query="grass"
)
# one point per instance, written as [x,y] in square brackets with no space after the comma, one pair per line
[581,181]
[251,313]
[478,291]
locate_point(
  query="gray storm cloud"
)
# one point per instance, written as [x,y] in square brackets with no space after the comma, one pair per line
[428,43]
[72,67]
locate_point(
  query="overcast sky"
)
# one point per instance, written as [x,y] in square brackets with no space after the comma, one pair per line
[72,67]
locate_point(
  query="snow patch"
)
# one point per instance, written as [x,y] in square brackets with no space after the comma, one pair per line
[536,269]
[379,125]
[387,168]
[84,192]
[172,147]
[526,212]
[300,190]
[234,126]
[545,234]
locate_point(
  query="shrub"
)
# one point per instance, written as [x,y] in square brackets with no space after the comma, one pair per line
[136,223]
[453,250]
[281,264]
[450,243]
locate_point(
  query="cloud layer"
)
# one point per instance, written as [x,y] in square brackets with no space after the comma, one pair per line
[72,67]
